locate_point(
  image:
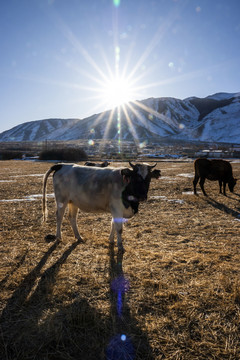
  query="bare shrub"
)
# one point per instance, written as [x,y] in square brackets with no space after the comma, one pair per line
[68,154]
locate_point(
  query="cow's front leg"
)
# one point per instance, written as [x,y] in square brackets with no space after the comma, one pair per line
[195,181]
[111,236]
[202,181]
[117,225]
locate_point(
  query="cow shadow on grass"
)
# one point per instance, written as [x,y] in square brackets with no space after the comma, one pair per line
[222,207]
[233,198]
[35,325]
[128,341]
[20,318]
[19,261]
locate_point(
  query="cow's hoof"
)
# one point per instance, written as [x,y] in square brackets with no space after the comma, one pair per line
[50,238]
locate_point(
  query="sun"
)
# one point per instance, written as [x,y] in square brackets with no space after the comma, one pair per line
[117,91]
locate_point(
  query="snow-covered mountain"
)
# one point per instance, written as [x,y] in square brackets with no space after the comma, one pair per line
[214,118]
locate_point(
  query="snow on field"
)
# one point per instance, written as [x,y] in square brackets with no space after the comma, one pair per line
[177,201]
[7,181]
[186,175]
[17,176]
[33,197]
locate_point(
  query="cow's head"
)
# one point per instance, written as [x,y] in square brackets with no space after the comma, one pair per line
[232,182]
[139,178]
[105,163]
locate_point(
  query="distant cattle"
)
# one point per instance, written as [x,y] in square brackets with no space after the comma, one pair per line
[103,164]
[215,170]
[92,189]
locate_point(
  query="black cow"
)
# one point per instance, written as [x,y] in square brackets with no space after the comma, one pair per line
[103,164]
[127,198]
[214,170]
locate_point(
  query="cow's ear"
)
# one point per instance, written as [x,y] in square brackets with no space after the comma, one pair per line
[132,165]
[126,175]
[155,174]
[126,172]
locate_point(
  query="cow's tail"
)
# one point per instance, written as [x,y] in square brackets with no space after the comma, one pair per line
[54,168]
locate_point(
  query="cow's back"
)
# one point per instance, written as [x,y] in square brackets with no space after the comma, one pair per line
[202,167]
[223,167]
[216,169]
[89,188]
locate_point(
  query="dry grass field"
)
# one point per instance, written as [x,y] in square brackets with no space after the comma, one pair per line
[174,294]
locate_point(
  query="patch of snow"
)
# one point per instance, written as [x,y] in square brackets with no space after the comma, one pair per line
[223,96]
[168,178]
[186,175]
[177,201]
[158,197]
[33,197]
[7,181]
[17,176]
[187,193]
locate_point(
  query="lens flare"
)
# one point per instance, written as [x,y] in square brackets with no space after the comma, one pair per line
[121,83]
[120,286]
[116,3]
[123,337]
[120,220]
[120,347]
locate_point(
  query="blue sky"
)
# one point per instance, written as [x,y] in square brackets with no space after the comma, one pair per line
[58,55]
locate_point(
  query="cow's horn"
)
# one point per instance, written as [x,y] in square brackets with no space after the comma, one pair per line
[131,164]
[152,166]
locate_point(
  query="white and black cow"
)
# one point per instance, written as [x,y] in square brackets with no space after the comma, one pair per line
[90,189]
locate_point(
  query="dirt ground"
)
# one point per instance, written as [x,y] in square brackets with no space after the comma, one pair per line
[173,294]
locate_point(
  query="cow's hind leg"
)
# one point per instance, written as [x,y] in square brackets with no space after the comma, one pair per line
[220,186]
[195,181]
[202,181]
[73,219]
[61,207]
[224,188]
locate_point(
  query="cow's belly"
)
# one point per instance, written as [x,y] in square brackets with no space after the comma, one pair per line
[90,209]
[90,202]
[212,177]
[100,203]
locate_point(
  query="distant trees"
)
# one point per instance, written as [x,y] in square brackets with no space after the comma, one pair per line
[66,154]
[10,154]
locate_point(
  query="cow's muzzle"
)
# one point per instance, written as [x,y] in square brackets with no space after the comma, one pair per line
[137,199]
[142,198]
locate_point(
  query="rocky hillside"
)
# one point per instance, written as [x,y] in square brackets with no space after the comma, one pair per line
[214,118]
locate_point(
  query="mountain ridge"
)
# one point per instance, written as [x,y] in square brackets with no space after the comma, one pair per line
[213,118]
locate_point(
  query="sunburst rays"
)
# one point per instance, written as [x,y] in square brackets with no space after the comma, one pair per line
[117,87]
